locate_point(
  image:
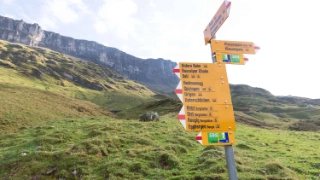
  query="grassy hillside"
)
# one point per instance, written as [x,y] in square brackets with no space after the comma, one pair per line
[253,106]
[39,85]
[258,107]
[22,107]
[55,124]
[105,148]
[48,70]
[161,106]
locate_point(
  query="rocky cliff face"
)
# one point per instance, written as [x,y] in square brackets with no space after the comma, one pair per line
[154,73]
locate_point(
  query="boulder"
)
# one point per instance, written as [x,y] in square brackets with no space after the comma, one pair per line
[149,116]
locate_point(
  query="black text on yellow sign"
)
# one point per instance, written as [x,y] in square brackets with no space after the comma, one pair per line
[206,117]
[203,71]
[206,91]
[236,47]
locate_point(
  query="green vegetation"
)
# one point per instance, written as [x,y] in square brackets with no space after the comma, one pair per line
[162,107]
[48,70]
[260,108]
[23,106]
[55,123]
[100,148]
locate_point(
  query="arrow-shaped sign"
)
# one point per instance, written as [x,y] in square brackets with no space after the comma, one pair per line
[182,117]
[216,22]
[207,117]
[206,101]
[200,71]
[234,47]
[178,91]
[214,92]
[176,71]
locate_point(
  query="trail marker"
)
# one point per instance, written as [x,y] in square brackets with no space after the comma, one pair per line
[216,138]
[205,117]
[200,71]
[205,93]
[237,47]
[216,22]
[225,58]
[208,93]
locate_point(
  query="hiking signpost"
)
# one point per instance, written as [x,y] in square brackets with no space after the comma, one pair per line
[234,47]
[216,22]
[205,93]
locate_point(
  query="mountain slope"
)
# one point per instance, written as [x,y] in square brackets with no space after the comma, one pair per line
[23,106]
[156,74]
[45,133]
[252,106]
[52,71]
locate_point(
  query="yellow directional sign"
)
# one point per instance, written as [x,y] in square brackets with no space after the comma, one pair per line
[216,22]
[204,82]
[211,92]
[213,138]
[236,47]
[230,58]
[203,71]
[205,93]
[206,117]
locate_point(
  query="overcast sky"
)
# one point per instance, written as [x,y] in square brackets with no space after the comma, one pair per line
[287,32]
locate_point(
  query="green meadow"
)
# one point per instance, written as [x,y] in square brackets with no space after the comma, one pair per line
[62,118]
[108,148]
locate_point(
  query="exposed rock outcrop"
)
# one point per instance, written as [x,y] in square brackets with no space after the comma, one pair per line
[154,73]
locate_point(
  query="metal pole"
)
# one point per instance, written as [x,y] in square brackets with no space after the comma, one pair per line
[231,164]
[213,55]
